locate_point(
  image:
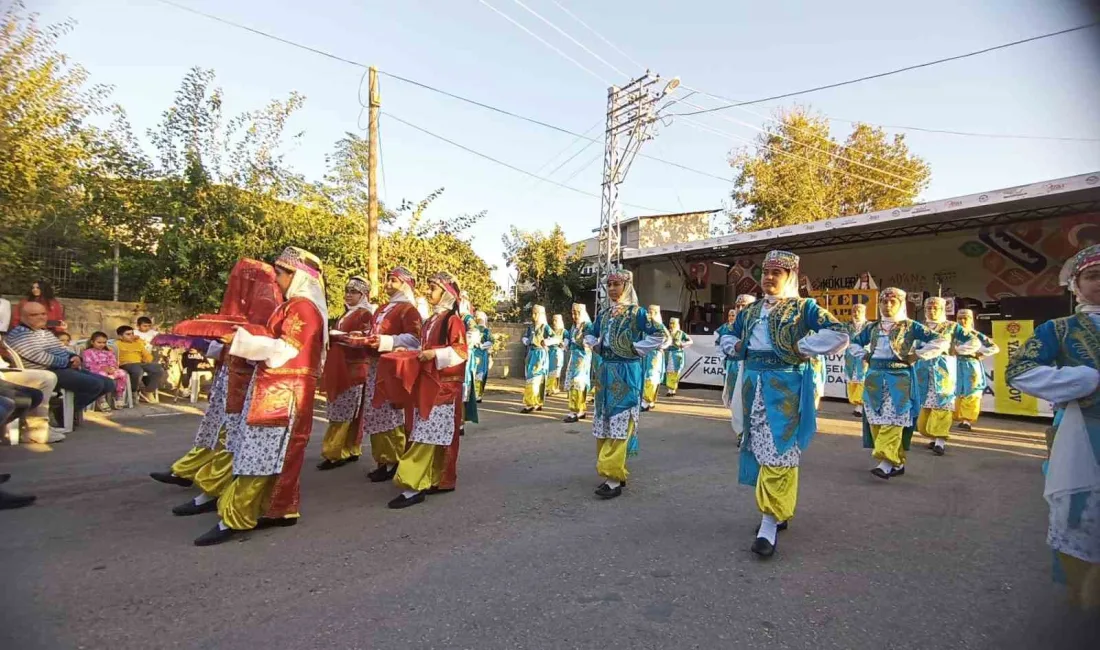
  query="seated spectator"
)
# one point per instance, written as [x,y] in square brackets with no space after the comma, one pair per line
[145,330]
[134,358]
[23,401]
[193,361]
[5,315]
[9,501]
[67,342]
[42,293]
[101,360]
[35,426]
[40,349]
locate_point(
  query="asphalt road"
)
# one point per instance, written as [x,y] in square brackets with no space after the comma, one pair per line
[523,555]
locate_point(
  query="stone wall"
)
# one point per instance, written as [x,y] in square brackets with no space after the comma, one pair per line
[512,358]
[87,316]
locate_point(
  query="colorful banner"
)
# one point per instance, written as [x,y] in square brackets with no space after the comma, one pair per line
[1010,335]
[840,301]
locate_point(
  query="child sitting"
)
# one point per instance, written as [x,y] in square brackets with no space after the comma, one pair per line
[98,358]
[67,342]
[136,360]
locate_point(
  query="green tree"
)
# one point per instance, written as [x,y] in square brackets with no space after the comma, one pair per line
[549,265]
[797,173]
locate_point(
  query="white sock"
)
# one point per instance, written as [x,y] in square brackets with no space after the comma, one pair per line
[940,442]
[886,466]
[768,528]
[222,526]
[203,498]
[612,484]
[389,468]
[408,494]
[899,467]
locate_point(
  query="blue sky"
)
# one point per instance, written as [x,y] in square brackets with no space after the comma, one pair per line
[741,49]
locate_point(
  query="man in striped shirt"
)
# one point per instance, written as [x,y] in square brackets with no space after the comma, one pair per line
[39,348]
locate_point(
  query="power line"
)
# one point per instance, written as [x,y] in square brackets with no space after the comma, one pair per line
[509,166]
[598,35]
[543,41]
[898,70]
[574,41]
[425,86]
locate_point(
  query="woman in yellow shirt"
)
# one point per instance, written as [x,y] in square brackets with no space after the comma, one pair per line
[136,360]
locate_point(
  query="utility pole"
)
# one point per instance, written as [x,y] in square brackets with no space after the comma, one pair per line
[372,184]
[630,114]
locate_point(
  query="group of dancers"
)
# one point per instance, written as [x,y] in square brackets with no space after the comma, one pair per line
[409,384]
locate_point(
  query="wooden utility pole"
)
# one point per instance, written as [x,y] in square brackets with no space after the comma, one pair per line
[372,184]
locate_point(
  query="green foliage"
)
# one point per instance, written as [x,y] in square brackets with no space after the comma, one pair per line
[550,267]
[216,189]
[797,173]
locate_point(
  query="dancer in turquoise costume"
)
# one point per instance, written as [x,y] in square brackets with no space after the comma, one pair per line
[855,364]
[537,339]
[733,365]
[970,381]
[557,356]
[482,354]
[654,366]
[936,376]
[1060,363]
[674,356]
[473,342]
[622,336]
[578,375]
[776,337]
[890,396]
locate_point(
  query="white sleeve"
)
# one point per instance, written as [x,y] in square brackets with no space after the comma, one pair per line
[1059,385]
[687,343]
[214,350]
[857,351]
[932,349]
[387,343]
[526,341]
[650,343]
[275,352]
[473,337]
[990,351]
[488,345]
[728,344]
[447,358]
[591,341]
[967,349]
[551,341]
[822,343]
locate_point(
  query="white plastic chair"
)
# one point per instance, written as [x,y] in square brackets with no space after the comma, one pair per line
[196,379]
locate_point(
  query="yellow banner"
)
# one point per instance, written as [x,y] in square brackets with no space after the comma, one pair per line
[1010,335]
[840,301]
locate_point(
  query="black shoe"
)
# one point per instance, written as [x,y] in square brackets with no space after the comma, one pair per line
[538,408]
[400,501]
[878,473]
[582,416]
[189,508]
[939,451]
[276,522]
[763,547]
[897,471]
[435,489]
[528,409]
[670,394]
[607,492]
[171,479]
[646,408]
[9,501]
[381,474]
[4,478]
[214,536]
[353,459]
[327,464]
[570,419]
[462,431]
[965,426]
[858,414]
[479,401]
[932,445]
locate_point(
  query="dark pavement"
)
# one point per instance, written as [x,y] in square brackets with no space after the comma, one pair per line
[523,555]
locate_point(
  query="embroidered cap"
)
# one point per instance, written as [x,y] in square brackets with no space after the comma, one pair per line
[298,259]
[448,282]
[403,274]
[891,292]
[621,275]
[1086,257]
[358,283]
[968,313]
[935,301]
[785,260]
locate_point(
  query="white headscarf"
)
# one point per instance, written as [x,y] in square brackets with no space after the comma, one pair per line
[423,307]
[362,285]
[788,262]
[630,296]
[856,309]
[538,315]
[869,284]
[583,318]
[464,307]
[936,300]
[481,318]
[306,283]
[408,283]
[655,313]
[903,314]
